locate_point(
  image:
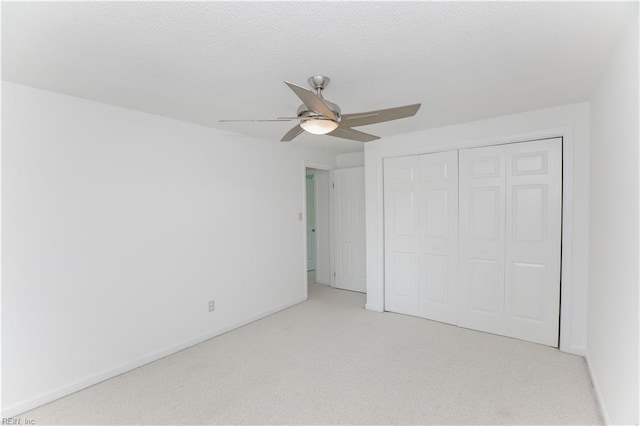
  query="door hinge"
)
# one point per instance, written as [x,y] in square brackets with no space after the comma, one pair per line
[334,274]
[334,185]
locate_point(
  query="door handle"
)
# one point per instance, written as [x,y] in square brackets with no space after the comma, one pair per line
[313,230]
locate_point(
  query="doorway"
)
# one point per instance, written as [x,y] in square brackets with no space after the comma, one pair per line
[317,226]
[311,226]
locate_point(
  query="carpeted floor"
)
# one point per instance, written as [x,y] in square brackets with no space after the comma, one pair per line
[328,361]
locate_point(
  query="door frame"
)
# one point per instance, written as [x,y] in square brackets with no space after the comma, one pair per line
[375,287]
[303,218]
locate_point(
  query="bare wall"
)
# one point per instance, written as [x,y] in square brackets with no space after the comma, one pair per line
[613,228]
[119,226]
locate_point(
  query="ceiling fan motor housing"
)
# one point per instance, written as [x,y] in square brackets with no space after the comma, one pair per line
[303,110]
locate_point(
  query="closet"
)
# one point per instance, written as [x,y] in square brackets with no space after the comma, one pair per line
[473,237]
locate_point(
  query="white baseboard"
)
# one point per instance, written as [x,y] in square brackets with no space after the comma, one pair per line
[576,350]
[596,387]
[373,307]
[62,391]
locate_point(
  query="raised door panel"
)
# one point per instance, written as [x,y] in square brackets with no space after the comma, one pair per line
[526,284]
[482,237]
[402,274]
[484,216]
[402,213]
[349,229]
[434,281]
[533,233]
[436,208]
[528,211]
[484,287]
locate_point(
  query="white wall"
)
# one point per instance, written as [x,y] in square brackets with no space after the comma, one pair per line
[119,226]
[350,159]
[571,122]
[613,228]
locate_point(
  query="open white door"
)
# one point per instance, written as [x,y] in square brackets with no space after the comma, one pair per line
[349,229]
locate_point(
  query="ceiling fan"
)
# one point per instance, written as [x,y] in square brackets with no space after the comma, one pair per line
[322,117]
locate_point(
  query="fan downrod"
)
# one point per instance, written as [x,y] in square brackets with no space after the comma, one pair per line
[318,82]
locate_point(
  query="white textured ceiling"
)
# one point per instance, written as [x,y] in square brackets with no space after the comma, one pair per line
[205,61]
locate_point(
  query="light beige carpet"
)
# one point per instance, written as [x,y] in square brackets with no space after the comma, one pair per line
[328,361]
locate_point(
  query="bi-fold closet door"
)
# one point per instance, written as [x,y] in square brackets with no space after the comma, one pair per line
[472,238]
[421,235]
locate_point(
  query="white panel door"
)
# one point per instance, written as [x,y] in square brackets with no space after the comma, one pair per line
[437,192]
[510,239]
[421,235]
[533,233]
[349,229]
[401,240]
[473,237]
[482,239]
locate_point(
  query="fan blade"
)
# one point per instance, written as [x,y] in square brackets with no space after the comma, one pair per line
[244,121]
[353,134]
[295,131]
[312,101]
[378,116]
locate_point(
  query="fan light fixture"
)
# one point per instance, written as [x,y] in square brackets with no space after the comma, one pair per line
[319,126]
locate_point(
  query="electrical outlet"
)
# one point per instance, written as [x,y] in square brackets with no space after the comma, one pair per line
[212,305]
